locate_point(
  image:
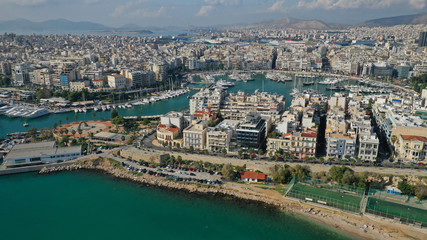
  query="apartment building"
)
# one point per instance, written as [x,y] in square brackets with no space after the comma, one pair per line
[195,135]
[301,145]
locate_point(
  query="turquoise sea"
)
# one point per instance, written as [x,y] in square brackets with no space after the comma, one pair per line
[11,125]
[89,205]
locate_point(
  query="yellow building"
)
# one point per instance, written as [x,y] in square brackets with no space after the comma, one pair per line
[411,148]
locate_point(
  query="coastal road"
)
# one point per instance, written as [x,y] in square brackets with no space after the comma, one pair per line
[265,166]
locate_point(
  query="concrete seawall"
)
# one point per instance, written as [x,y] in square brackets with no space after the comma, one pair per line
[34,168]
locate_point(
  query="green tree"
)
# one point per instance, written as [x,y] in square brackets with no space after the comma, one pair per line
[73,132]
[80,132]
[55,125]
[5,82]
[240,153]
[228,172]
[118,121]
[301,171]
[224,151]
[114,114]
[260,152]
[145,122]
[32,132]
[123,138]
[406,188]
[393,139]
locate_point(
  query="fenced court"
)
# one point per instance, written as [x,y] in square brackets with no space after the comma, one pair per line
[398,207]
[344,197]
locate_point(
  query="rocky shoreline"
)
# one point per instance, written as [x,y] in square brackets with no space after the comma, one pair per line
[366,227]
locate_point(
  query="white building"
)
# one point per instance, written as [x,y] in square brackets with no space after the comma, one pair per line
[116,81]
[38,153]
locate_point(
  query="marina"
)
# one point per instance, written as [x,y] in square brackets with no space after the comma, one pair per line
[164,102]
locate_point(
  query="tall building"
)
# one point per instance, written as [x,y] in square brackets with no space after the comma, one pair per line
[251,133]
[422,42]
[116,81]
[21,74]
[6,68]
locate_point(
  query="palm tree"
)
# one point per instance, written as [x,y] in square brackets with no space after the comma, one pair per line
[60,122]
[76,117]
[67,118]
[94,114]
[73,132]
[80,132]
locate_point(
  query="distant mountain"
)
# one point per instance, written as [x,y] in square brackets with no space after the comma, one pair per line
[398,20]
[61,26]
[296,24]
[130,26]
[24,25]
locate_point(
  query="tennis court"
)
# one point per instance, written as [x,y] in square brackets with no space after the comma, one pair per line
[334,198]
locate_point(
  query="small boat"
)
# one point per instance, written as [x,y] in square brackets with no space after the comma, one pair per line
[308,83]
[26,125]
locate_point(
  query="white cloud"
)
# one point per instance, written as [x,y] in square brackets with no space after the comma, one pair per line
[211,4]
[91,1]
[353,4]
[137,9]
[418,3]
[277,6]
[204,10]
[24,2]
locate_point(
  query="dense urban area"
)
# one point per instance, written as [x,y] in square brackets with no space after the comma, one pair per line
[355,108]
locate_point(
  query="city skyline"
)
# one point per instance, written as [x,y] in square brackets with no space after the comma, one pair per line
[206,12]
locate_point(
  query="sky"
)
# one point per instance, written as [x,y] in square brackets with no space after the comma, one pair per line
[116,13]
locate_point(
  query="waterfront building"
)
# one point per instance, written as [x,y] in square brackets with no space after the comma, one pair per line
[301,145]
[340,145]
[98,83]
[382,69]
[116,81]
[20,74]
[252,131]
[368,146]
[175,119]
[403,71]
[168,135]
[78,85]
[207,98]
[249,176]
[195,135]
[40,153]
[237,105]
[411,148]
[218,138]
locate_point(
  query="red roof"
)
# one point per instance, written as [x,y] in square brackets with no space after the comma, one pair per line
[252,175]
[162,125]
[116,75]
[414,138]
[309,134]
[172,129]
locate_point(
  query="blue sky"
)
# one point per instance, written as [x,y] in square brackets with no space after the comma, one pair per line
[205,12]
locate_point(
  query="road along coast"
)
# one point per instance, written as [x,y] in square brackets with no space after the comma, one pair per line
[364,227]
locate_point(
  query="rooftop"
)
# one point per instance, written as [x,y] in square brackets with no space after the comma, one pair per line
[39,149]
